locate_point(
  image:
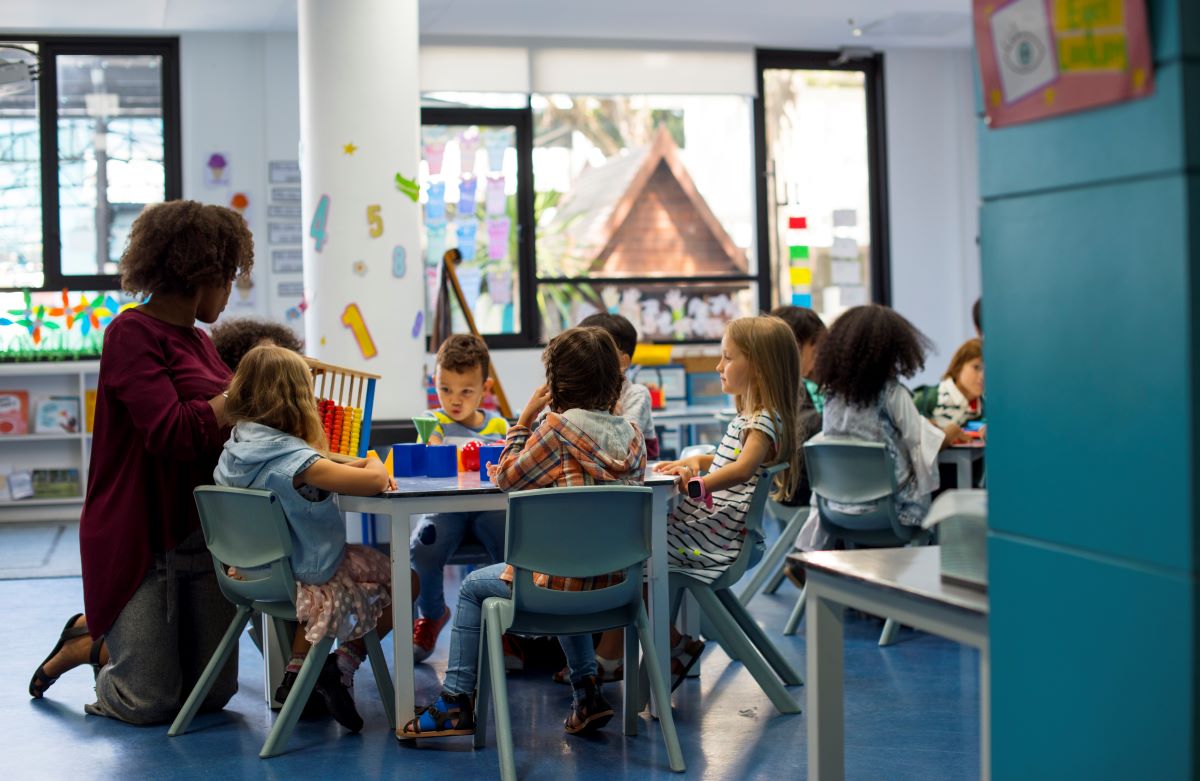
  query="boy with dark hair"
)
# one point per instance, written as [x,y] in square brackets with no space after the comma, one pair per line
[635,398]
[461,378]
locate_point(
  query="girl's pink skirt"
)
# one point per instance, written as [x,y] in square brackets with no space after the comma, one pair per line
[349,604]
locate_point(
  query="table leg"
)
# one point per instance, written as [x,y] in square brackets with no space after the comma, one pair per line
[658,595]
[826,718]
[964,471]
[402,619]
[985,714]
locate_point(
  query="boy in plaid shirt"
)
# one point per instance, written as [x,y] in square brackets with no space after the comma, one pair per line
[579,442]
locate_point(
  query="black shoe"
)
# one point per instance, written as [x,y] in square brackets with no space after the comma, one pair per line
[314,710]
[589,711]
[338,698]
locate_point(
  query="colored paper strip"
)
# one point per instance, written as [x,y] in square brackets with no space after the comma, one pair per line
[801,276]
[799,252]
[802,299]
[797,223]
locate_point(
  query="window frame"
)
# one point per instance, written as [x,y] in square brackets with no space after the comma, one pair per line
[872,68]
[49,49]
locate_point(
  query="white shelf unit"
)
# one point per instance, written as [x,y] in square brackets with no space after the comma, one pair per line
[48,451]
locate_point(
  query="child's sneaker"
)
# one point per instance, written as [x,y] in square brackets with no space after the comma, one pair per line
[314,709]
[514,658]
[425,635]
[449,714]
[589,710]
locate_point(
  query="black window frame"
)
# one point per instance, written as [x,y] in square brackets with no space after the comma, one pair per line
[872,68]
[49,48]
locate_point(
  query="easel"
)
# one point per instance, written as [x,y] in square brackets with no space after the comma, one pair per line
[441,320]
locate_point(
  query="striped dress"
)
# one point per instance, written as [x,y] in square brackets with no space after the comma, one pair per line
[704,542]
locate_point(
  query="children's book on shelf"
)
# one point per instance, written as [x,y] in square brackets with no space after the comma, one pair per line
[20,484]
[14,412]
[56,484]
[89,409]
[57,415]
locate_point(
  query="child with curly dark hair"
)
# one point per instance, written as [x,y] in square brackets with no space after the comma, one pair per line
[863,357]
[154,612]
[238,336]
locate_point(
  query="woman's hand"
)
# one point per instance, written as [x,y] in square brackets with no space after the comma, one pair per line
[537,403]
[218,407]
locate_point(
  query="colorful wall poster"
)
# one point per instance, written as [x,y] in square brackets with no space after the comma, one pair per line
[1043,58]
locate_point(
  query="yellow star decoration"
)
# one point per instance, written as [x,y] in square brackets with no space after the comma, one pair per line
[322,341]
[996,98]
[1049,95]
[1139,79]
[349,149]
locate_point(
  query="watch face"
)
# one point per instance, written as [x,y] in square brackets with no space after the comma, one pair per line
[694,489]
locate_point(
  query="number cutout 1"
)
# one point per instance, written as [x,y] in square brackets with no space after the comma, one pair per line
[352,318]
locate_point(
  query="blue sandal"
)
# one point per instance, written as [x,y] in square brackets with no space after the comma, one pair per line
[449,714]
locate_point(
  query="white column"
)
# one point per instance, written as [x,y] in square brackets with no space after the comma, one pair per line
[359,128]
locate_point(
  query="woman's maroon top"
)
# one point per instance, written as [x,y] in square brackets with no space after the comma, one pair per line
[155,438]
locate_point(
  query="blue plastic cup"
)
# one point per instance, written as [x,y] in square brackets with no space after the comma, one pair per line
[441,460]
[488,454]
[408,459]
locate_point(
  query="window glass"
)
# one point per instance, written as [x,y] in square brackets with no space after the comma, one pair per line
[20,174]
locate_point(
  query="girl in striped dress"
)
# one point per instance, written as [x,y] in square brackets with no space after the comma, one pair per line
[760,365]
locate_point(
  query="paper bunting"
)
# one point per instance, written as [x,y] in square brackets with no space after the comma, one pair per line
[436,247]
[435,207]
[496,200]
[466,196]
[468,146]
[466,239]
[497,228]
[496,140]
[433,147]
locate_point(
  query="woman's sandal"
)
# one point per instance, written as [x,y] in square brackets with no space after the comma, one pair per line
[607,671]
[684,656]
[40,681]
[446,716]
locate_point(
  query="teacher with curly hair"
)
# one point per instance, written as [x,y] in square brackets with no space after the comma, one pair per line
[154,612]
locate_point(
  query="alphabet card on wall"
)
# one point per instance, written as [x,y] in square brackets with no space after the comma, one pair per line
[1043,58]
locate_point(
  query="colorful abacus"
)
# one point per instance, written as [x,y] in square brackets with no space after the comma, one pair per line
[341,405]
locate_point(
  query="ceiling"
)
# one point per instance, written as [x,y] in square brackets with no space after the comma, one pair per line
[792,24]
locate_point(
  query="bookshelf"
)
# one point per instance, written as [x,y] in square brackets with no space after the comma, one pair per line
[47,451]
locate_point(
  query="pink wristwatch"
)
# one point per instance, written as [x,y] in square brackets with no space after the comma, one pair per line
[697,490]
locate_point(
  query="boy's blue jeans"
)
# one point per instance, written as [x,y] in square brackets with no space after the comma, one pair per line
[448,530]
[461,668]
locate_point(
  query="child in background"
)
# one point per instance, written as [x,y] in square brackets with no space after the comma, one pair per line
[342,590]
[635,398]
[579,442]
[235,337]
[960,393]
[867,351]
[809,329]
[760,365]
[461,378]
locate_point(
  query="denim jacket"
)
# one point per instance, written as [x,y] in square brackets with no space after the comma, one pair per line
[258,456]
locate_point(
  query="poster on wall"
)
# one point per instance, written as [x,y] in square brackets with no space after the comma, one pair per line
[1043,58]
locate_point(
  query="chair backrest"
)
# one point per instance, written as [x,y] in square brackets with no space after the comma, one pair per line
[754,522]
[851,471]
[246,528]
[577,532]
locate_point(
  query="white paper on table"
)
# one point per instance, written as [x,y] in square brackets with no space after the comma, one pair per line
[844,248]
[1024,49]
[846,272]
[845,218]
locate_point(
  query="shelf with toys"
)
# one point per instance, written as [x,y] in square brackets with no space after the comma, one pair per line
[45,439]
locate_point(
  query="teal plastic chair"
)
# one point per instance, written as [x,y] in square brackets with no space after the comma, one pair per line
[245,528]
[733,627]
[852,471]
[770,573]
[578,532]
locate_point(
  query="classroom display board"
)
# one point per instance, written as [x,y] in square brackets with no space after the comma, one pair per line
[1043,58]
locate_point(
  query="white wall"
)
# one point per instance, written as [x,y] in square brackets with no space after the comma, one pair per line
[240,97]
[933,189]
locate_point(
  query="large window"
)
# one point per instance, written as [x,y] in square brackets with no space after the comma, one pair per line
[83,148]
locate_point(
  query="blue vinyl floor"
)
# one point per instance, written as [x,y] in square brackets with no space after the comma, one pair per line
[912,712]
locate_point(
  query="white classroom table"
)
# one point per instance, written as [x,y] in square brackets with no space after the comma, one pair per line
[900,583]
[467,493]
[687,418]
[963,457]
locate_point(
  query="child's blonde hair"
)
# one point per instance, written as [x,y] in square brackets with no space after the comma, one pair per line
[774,359]
[273,386]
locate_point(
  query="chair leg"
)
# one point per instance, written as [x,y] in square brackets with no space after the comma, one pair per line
[483,690]
[772,563]
[493,629]
[666,719]
[633,674]
[888,635]
[758,667]
[383,678]
[285,722]
[759,639]
[797,613]
[774,583]
[211,670]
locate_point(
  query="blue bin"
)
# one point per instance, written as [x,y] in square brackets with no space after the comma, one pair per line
[408,459]
[441,460]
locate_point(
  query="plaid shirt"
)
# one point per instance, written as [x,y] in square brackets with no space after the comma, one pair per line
[561,454]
